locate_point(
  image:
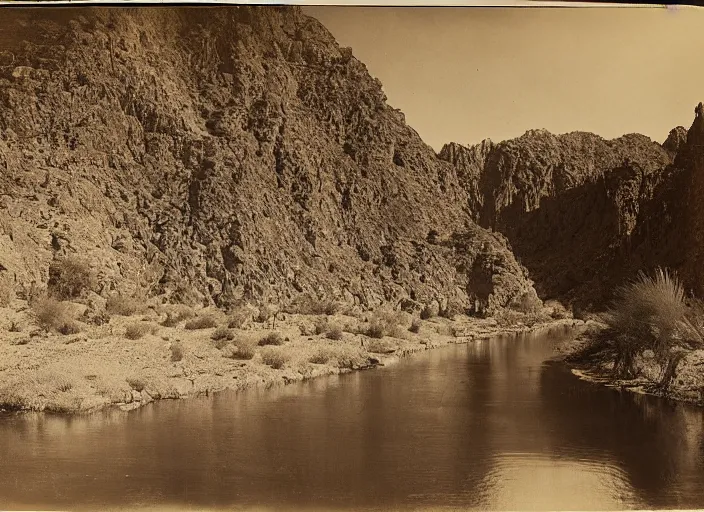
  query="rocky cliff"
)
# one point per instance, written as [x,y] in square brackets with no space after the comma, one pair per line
[582,213]
[226,153]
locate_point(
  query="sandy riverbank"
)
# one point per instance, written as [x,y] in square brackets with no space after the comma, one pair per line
[101,367]
[687,384]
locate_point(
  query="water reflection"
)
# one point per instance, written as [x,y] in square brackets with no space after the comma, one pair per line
[487,426]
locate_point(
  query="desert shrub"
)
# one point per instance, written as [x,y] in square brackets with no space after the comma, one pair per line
[427,312]
[415,326]
[376,330]
[94,317]
[139,330]
[307,305]
[7,291]
[136,383]
[239,318]
[321,356]
[54,315]
[70,327]
[385,323]
[648,313]
[245,349]
[70,277]
[176,315]
[273,338]
[222,333]
[201,322]
[122,305]
[320,326]
[171,320]
[307,329]
[266,313]
[334,332]
[176,349]
[274,357]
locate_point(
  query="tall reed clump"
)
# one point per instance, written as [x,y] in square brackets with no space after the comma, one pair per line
[651,313]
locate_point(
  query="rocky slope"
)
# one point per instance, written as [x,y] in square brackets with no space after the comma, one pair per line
[582,213]
[215,154]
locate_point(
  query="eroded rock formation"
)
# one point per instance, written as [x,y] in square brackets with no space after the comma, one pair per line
[227,153]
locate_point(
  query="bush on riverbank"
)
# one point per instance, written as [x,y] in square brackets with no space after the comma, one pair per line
[650,313]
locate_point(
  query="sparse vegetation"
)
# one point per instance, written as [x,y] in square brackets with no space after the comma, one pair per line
[245,349]
[139,330]
[177,315]
[239,318]
[427,312]
[201,322]
[69,278]
[274,357]
[334,332]
[385,323]
[136,383]
[307,305]
[176,349]
[273,338]
[321,356]
[53,315]
[121,305]
[222,333]
[415,326]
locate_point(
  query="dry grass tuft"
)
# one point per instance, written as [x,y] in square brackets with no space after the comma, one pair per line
[334,332]
[123,306]
[222,333]
[201,322]
[176,349]
[271,339]
[53,315]
[275,357]
[239,318]
[139,330]
[245,349]
[386,322]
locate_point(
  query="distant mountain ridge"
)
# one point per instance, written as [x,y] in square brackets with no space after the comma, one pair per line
[581,212]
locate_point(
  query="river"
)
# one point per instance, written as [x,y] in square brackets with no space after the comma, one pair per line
[494,424]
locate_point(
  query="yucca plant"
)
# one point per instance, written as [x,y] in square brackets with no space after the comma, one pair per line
[650,313]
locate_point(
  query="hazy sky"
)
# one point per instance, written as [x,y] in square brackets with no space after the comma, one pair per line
[465,74]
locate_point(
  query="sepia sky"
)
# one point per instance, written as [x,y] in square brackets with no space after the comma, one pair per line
[465,74]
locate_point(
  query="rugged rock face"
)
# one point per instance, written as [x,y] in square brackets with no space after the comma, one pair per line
[691,159]
[227,153]
[570,204]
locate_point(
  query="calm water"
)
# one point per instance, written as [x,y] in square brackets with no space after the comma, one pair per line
[491,425]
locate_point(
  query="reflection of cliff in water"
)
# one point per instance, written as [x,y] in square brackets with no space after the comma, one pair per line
[658,443]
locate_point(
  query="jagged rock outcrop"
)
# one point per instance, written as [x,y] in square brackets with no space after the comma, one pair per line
[470,162]
[691,159]
[228,152]
[570,204]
